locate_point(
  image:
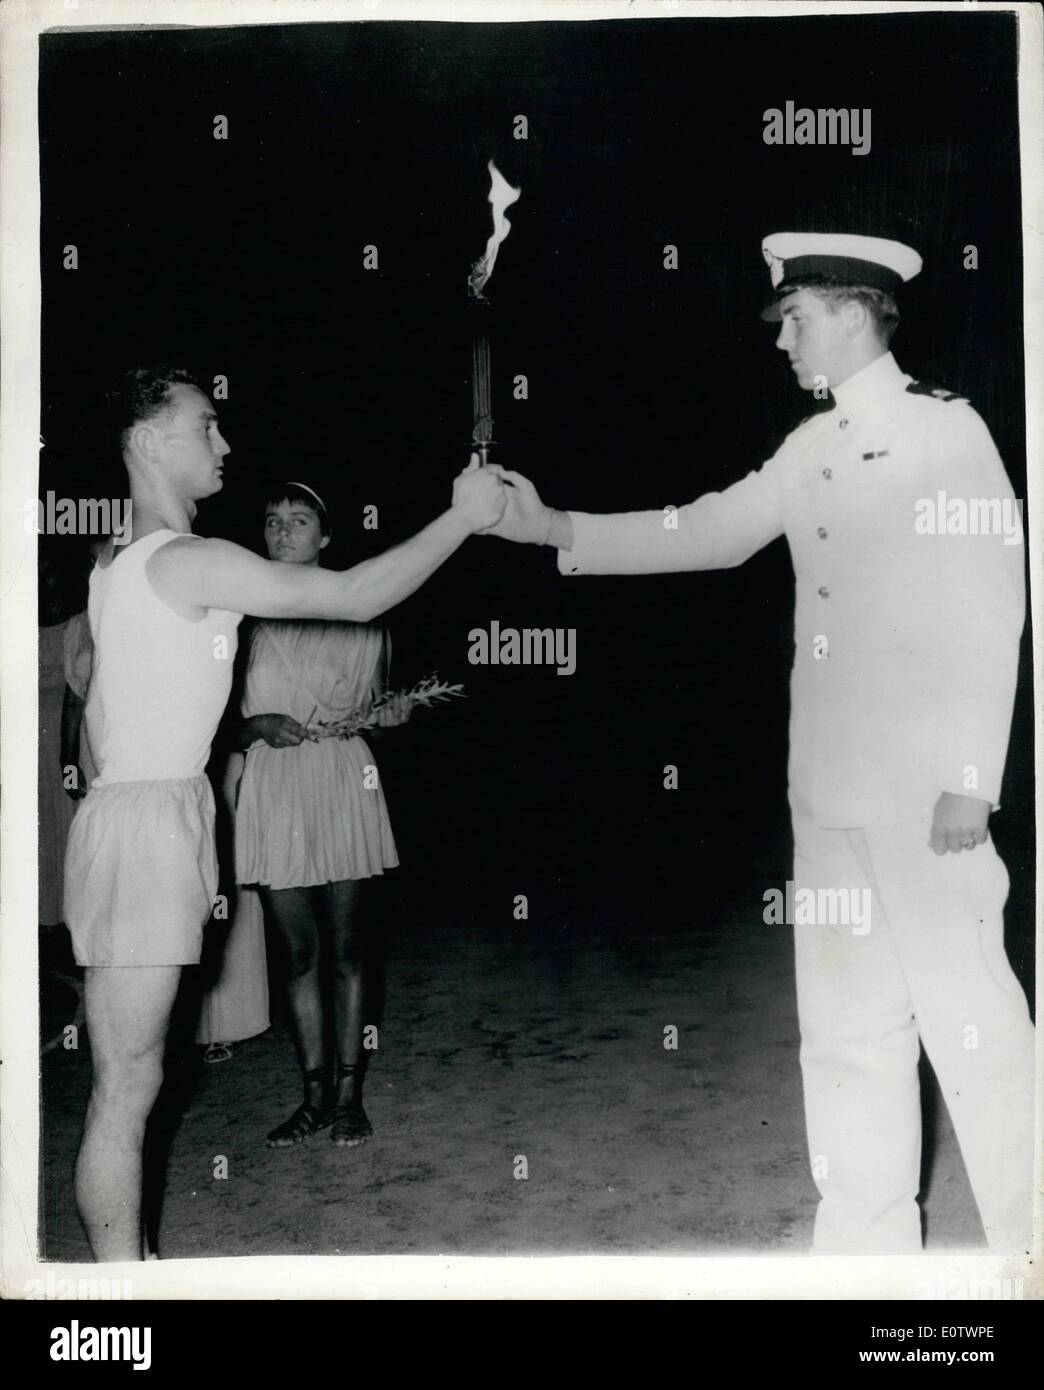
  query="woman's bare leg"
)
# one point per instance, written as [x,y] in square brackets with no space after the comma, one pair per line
[346,920]
[291,913]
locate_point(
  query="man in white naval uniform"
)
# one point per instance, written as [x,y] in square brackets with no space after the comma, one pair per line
[906,652]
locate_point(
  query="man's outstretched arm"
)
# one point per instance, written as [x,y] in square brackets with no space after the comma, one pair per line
[219,574]
[717,531]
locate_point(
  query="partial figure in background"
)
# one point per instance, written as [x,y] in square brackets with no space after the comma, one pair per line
[60,597]
[61,780]
[79,662]
[234,1006]
[311,822]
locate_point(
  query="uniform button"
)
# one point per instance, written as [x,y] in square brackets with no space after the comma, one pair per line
[821,532]
[843,423]
[828,472]
[824,592]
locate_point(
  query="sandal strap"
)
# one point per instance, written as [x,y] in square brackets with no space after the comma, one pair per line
[351,1121]
[305,1120]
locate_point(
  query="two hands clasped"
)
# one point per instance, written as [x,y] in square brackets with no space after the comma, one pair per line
[499,502]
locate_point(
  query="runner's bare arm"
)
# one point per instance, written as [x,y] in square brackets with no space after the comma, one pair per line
[219,574]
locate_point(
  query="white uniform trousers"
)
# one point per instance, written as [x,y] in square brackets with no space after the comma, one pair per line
[932,966]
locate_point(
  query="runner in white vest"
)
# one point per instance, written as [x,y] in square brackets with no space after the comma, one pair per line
[141,871]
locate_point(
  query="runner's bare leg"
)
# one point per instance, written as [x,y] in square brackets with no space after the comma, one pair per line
[128,1011]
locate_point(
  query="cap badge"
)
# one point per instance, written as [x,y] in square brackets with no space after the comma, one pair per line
[775,265]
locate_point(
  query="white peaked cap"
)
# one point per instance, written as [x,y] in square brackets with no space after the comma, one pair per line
[795,259]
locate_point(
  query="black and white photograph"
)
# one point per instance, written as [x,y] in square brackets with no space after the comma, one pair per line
[535,533]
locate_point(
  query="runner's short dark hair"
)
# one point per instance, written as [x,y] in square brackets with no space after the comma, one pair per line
[142,394]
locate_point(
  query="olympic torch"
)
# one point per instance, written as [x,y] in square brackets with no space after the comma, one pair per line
[501,196]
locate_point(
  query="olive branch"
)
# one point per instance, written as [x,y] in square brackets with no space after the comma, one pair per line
[426,693]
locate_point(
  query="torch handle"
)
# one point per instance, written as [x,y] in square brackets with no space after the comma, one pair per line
[481,381]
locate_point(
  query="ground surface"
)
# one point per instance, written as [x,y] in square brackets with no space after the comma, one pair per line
[496,1045]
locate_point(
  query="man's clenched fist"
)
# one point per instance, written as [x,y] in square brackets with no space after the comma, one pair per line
[479,495]
[959,823]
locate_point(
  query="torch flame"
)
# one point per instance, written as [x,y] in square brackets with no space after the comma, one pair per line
[501,196]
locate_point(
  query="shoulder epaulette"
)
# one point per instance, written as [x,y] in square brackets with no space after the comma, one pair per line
[920,388]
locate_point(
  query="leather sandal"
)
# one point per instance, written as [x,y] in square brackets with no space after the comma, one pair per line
[304,1122]
[350,1125]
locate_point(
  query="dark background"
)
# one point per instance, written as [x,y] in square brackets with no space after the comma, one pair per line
[244,258]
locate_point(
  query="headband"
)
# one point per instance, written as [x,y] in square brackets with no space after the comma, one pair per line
[305,488]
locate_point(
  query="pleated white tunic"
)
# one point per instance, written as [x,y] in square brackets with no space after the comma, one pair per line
[306,815]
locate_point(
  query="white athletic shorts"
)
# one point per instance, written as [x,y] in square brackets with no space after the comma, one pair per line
[141,872]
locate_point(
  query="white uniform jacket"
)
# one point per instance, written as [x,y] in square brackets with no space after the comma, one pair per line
[907,625]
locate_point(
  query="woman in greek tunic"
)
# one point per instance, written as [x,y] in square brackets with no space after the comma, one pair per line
[311,820]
